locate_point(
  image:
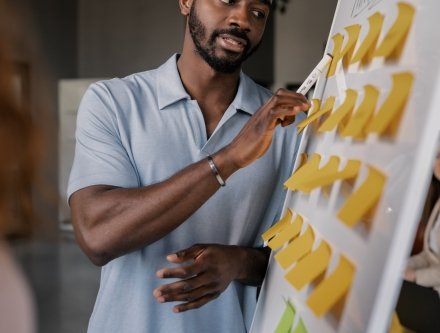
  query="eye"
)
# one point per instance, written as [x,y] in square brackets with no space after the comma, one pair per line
[259,14]
[229,2]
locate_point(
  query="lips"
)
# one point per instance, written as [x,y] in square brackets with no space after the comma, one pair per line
[232,43]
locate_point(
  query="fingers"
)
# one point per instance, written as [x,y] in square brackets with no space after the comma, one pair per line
[284,105]
[185,290]
[292,103]
[195,304]
[210,272]
[193,292]
[187,254]
[181,272]
[290,95]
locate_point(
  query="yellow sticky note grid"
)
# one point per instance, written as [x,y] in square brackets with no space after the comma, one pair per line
[362,200]
[394,41]
[332,289]
[310,267]
[365,52]
[289,232]
[389,114]
[363,115]
[327,107]
[278,226]
[342,112]
[297,249]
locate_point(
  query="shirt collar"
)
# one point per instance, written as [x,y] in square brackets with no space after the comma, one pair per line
[169,85]
[171,90]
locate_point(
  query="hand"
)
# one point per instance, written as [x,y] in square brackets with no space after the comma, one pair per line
[410,275]
[205,271]
[256,136]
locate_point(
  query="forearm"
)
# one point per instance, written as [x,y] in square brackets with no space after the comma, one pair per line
[111,221]
[428,277]
[418,261]
[253,264]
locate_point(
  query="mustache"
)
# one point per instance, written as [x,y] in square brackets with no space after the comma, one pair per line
[240,33]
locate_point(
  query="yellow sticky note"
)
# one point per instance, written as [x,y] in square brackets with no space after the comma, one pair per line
[335,286]
[286,320]
[341,112]
[338,39]
[278,227]
[316,105]
[362,200]
[321,176]
[303,172]
[394,41]
[288,233]
[297,249]
[309,267]
[328,107]
[368,46]
[389,114]
[332,174]
[300,327]
[353,36]
[361,117]
[350,170]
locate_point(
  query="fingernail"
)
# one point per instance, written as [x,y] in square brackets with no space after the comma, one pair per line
[161,300]
[172,256]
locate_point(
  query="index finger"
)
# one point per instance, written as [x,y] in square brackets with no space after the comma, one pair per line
[182,272]
[290,93]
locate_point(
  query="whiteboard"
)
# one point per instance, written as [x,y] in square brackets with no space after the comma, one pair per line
[377,250]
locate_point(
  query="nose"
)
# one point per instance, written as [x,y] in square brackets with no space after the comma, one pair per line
[239,17]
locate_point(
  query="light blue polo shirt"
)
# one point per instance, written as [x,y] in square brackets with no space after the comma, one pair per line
[141,130]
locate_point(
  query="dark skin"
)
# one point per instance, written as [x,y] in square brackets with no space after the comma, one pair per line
[110,222]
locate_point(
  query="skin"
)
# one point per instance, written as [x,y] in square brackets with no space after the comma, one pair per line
[410,274]
[110,222]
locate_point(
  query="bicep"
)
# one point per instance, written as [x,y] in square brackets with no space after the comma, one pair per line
[100,155]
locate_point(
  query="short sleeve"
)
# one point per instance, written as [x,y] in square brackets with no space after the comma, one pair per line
[100,157]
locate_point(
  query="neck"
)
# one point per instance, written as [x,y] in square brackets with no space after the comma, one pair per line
[201,81]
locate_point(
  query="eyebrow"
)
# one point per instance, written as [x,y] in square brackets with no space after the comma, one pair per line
[266,2]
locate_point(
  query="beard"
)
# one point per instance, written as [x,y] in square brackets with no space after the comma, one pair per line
[227,64]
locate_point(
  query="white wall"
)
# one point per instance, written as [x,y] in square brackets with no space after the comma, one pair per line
[300,37]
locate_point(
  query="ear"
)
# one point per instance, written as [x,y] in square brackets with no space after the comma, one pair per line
[185,6]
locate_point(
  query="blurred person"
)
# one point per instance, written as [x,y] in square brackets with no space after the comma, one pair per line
[419,301]
[18,151]
[177,172]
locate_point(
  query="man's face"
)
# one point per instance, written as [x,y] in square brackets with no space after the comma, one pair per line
[227,41]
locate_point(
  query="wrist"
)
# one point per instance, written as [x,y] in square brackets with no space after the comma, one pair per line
[251,265]
[224,163]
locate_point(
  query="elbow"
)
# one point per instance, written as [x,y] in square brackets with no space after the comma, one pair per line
[93,244]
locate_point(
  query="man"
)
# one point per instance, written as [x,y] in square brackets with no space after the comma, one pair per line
[153,151]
